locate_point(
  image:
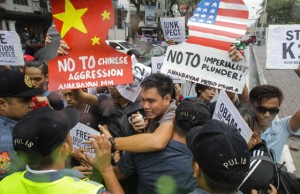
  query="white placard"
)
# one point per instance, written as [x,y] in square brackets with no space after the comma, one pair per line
[80,133]
[206,66]
[173,28]
[132,90]
[157,63]
[283,43]
[10,49]
[226,112]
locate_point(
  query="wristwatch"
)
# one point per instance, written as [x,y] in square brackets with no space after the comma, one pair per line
[112,142]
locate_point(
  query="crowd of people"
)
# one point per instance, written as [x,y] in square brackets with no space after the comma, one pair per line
[161,143]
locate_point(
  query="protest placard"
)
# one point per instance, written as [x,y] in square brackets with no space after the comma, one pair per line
[90,62]
[283,43]
[157,63]
[10,49]
[226,112]
[132,90]
[173,28]
[204,58]
[205,65]
[80,134]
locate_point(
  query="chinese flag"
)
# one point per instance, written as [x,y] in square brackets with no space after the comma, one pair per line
[90,62]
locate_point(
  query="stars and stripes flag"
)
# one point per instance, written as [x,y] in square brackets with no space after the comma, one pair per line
[218,23]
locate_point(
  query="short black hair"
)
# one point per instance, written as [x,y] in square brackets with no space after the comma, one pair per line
[258,93]
[200,87]
[42,65]
[163,84]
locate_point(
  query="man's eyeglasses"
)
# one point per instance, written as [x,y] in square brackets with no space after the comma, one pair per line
[272,111]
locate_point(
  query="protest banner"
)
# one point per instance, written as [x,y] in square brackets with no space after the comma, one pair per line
[209,67]
[132,90]
[204,58]
[173,28]
[90,62]
[157,63]
[283,43]
[149,15]
[80,134]
[226,112]
[10,49]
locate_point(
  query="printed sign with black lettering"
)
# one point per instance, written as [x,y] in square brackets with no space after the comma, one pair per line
[80,134]
[10,49]
[226,112]
[173,28]
[283,43]
[206,66]
[132,90]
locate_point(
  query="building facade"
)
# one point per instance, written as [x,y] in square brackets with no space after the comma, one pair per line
[29,18]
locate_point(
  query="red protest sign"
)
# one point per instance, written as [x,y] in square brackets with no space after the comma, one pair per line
[91,62]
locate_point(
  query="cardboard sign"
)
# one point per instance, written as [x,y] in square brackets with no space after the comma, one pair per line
[132,90]
[10,49]
[173,28]
[80,134]
[206,66]
[226,112]
[283,43]
[91,62]
[157,63]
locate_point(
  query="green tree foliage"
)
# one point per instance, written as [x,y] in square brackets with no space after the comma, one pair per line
[282,11]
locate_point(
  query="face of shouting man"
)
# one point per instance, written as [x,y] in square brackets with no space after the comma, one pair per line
[153,103]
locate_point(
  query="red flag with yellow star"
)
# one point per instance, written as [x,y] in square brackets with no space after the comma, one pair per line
[90,62]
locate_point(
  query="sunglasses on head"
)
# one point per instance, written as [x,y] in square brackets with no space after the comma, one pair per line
[272,111]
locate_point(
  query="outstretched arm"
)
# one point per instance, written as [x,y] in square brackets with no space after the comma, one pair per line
[85,97]
[102,162]
[145,142]
[295,121]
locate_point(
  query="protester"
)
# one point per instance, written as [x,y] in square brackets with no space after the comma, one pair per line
[89,115]
[205,93]
[174,162]
[114,108]
[16,94]
[42,138]
[263,170]
[37,72]
[265,101]
[220,158]
[159,109]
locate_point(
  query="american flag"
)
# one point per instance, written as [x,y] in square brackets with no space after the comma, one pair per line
[218,23]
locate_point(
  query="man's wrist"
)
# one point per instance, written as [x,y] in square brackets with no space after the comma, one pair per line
[112,142]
